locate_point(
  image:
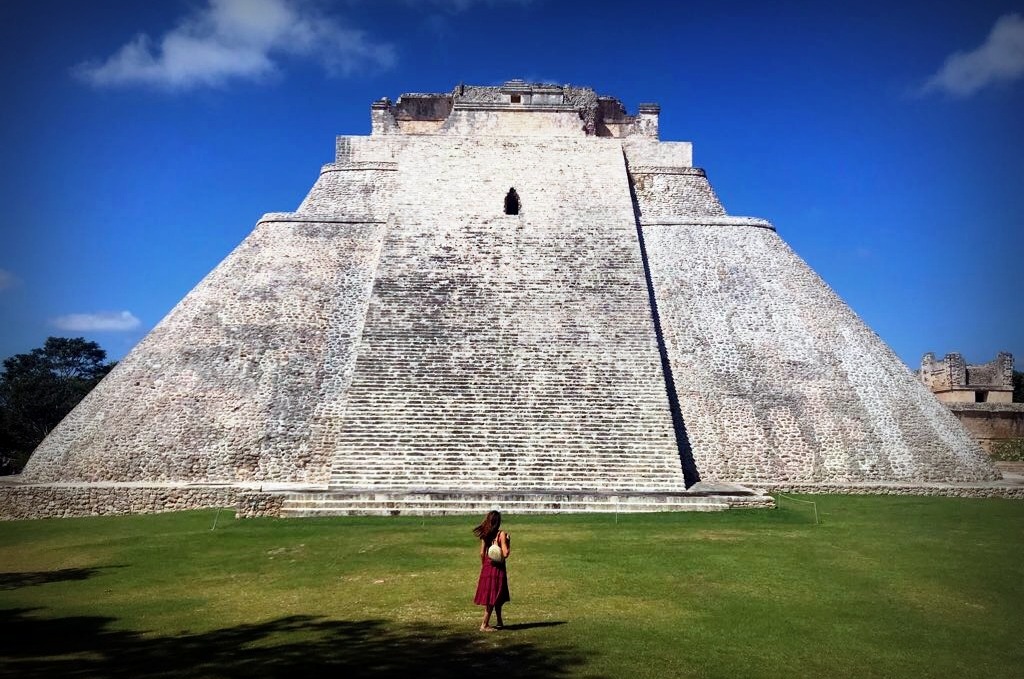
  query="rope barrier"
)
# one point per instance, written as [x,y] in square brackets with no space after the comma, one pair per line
[809,502]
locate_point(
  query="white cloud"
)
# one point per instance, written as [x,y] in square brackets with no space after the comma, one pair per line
[243,39]
[461,5]
[117,321]
[7,279]
[999,59]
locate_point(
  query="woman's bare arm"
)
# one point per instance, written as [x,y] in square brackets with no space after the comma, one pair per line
[506,544]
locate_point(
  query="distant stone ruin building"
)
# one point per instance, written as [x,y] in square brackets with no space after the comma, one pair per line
[980,396]
[952,380]
[515,296]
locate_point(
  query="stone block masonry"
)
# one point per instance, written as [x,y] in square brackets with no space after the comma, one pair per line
[991,423]
[952,380]
[509,351]
[779,380]
[36,501]
[400,338]
[227,387]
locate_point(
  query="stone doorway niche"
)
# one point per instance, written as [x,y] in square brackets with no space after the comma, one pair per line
[512,202]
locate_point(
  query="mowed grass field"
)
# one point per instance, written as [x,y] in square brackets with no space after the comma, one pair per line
[882,587]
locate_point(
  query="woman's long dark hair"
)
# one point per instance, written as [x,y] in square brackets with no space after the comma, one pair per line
[488,528]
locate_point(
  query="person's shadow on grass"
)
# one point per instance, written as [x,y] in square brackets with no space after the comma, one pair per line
[532,625]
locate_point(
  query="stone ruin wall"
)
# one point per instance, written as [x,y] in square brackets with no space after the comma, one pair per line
[991,423]
[517,108]
[998,372]
[945,374]
[994,420]
[953,380]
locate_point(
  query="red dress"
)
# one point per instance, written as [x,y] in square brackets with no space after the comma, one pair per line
[492,587]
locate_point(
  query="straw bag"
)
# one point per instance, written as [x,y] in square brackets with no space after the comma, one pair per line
[494,552]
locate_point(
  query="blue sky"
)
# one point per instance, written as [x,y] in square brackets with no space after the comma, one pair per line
[141,141]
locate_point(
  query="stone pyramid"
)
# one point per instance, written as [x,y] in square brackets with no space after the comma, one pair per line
[617,333]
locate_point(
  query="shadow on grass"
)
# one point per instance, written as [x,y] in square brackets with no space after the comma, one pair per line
[19,580]
[532,625]
[294,646]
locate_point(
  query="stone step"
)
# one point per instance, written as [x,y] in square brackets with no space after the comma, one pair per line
[385,486]
[375,503]
[468,473]
[328,498]
[625,484]
[481,509]
[425,477]
[466,463]
[488,475]
[432,509]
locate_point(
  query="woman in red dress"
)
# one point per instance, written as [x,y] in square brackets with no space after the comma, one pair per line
[492,588]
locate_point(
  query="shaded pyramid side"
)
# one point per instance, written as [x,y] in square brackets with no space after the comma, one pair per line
[224,387]
[778,379]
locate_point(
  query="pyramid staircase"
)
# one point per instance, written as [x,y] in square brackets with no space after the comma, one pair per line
[423,502]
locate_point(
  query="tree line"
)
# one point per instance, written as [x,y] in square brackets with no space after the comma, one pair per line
[39,388]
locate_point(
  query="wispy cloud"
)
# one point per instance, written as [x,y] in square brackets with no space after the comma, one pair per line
[7,279]
[117,321]
[461,5]
[238,39]
[999,59]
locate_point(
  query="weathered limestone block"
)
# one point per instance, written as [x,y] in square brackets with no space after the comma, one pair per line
[226,386]
[779,380]
[360,191]
[990,423]
[253,504]
[668,193]
[46,501]
[509,351]
[1010,492]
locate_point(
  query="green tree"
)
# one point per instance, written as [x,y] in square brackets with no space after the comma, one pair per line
[39,388]
[1018,386]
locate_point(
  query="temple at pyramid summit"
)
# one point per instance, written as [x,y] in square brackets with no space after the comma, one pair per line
[514,297]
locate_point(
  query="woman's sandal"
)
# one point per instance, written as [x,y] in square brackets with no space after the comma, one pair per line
[488,628]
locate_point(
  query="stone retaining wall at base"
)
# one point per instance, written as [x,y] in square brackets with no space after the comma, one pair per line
[254,504]
[1008,492]
[46,501]
[752,503]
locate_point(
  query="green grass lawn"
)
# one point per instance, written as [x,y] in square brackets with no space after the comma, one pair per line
[882,587]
